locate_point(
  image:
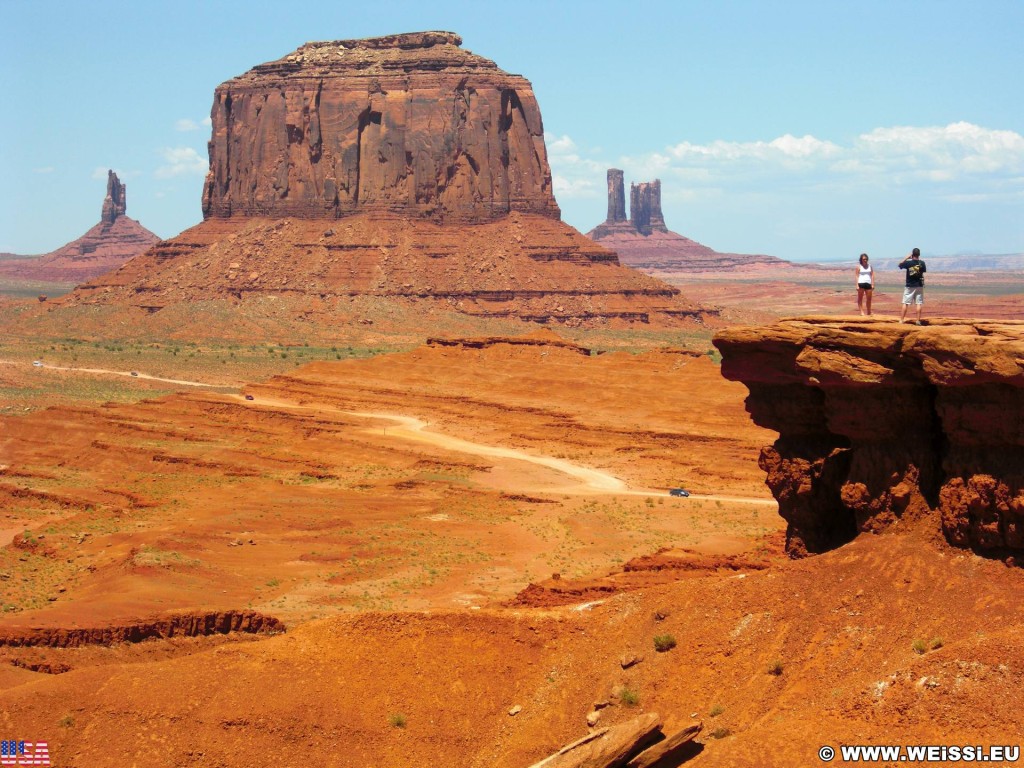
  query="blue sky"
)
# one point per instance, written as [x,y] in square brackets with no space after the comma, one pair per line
[806,130]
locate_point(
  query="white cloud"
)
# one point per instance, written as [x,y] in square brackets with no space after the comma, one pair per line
[960,158]
[186,124]
[947,153]
[566,187]
[181,161]
[562,145]
[573,176]
[780,149]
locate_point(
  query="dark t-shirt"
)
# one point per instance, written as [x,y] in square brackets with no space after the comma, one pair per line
[915,272]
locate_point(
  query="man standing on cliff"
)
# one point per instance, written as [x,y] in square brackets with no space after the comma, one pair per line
[914,290]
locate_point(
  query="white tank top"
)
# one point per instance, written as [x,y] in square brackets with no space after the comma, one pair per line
[865,274]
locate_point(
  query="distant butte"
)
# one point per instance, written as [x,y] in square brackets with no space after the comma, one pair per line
[644,242]
[105,247]
[387,175]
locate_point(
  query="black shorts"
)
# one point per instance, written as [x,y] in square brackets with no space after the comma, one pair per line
[864,286]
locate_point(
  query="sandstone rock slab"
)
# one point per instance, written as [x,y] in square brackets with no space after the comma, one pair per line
[608,747]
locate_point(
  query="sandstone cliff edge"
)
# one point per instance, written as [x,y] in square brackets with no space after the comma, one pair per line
[879,422]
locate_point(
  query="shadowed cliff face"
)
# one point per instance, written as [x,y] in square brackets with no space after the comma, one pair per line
[879,421]
[410,124]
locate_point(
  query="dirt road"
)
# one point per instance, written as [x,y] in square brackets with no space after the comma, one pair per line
[130,374]
[591,481]
[414,429]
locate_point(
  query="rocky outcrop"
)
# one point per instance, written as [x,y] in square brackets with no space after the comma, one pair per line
[880,422]
[608,747]
[177,625]
[409,124]
[541,339]
[105,247]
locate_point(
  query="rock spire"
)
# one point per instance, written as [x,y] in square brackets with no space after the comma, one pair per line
[616,196]
[116,202]
[643,241]
[645,207]
[645,214]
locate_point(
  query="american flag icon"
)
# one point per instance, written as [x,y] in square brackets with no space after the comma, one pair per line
[14,752]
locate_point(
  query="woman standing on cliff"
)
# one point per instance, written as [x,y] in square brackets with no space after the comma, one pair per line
[865,284]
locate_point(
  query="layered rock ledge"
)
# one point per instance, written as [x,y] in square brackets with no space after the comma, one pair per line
[880,421]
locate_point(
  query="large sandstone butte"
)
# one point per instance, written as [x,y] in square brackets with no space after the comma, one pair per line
[399,172]
[879,421]
[106,246]
[645,242]
[410,124]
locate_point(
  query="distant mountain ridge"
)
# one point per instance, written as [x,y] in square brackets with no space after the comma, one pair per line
[976,262]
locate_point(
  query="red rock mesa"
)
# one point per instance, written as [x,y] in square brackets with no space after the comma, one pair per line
[410,124]
[402,169]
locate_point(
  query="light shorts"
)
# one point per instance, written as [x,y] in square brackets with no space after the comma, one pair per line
[913,295]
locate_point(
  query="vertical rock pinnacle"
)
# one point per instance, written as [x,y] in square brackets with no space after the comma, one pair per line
[645,207]
[616,196]
[115,203]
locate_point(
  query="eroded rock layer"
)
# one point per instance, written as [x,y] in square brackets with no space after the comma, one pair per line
[879,421]
[523,267]
[408,123]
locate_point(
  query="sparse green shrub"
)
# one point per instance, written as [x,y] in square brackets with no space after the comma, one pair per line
[397,719]
[664,643]
[629,697]
[775,668]
[936,643]
[919,646]
[720,733]
[68,721]
[716,710]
